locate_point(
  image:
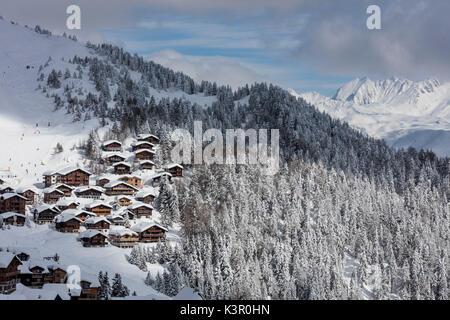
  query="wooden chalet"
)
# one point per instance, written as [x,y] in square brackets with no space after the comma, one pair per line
[142,145]
[6,189]
[80,214]
[146,197]
[33,274]
[13,219]
[122,168]
[93,238]
[140,210]
[97,223]
[12,202]
[116,220]
[144,154]
[45,214]
[67,223]
[29,193]
[67,203]
[149,138]
[99,208]
[89,192]
[174,169]
[132,180]
[114,158]
[102,181]
[55,275]
[156,178]
[149,232]
[124,201]
[74,177]
[112,145]
[123,238]
[52,195]
[120,188]
[66,189]
[9,272]
[147,165]
[88,292]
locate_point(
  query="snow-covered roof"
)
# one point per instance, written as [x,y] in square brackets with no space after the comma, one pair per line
[44,207]
[146,161]
[157,175]
[172,165]
[122,163]
[144,150]
[66,217]
[52,290]
[69,214]
[96,204]
[10,214]
[63,185]
[7,196]
[139,204]
[86,188]
[130,176]
[5,259]
[95,220]
[90,233]
[65,171]
[122,232]
[4,187]
[116,183]
[66,201]
[146,136]
[25,189]
[145,193]
[141,227]
[116,154]
[139,143]
[124,196]
[114,216]
[108,142]
[52,189]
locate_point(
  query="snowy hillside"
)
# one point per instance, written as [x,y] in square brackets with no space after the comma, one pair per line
[403,112]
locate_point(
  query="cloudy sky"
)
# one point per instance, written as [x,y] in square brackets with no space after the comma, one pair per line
[301,44]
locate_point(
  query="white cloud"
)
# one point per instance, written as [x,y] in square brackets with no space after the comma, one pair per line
[222,70]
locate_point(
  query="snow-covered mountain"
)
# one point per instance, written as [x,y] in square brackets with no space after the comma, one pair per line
[403,112]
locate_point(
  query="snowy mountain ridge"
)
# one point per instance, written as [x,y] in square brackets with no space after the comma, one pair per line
[403,112]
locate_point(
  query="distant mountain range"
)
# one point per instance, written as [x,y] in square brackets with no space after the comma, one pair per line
[403,112]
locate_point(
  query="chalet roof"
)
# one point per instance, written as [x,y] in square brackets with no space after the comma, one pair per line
[95,220]
[63,185]
[44,207]
[146,136]
[130,176]
[66,201]
[52,189]
[88,234]
[86,188]
[25,189]
[116,154]
[76,213]
[10,195]
[146,161]
[5,259]
[122,163]
[139,143]
[108,142]
[125,196]
[138,205]
[10,214]
[114,216]
[65,171]
[173,165]
[97,204]
[141,227]
[122,232]
[31,251]
[116,183]
[144,150]
[66,217]
[157,175]
[145,193]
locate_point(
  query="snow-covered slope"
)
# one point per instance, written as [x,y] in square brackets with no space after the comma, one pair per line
[403,112]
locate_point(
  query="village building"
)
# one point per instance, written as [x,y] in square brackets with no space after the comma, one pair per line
[120,188]
[114,158]
[147,165]
[174,169]
[33,273]
[6,189]
[142,145]
[12,202]
[99,208]
[156,178]
[122,168]
[29,193]
[67,223]
[132,180]
[140,210]
[9,272]
[56,275]
[12,219]
[146,196]
[88,292]
[149,138]
[89,192]
[97,223]
[102,181]
[52,195]
[123,238]
[93,238]
[80,214]
[45,214]
[150,232]
[66,189]
[67,203]
[112,145]
[74,177]
[124,201]
[144,154]
[116,220]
